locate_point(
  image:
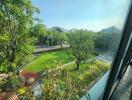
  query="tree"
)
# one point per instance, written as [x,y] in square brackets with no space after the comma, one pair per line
[16,18]
[81,43]
[107,41]
[55,37]
[38,32]
[58,37]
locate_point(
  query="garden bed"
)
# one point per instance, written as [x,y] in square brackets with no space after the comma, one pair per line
[72,84]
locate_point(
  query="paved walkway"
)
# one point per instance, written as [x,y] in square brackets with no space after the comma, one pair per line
[50,48]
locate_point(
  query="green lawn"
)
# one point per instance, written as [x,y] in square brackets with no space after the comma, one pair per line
[49,60]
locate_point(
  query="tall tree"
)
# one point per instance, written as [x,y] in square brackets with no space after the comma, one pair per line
[16,18]
[107,41]
[38,32]
[81,43]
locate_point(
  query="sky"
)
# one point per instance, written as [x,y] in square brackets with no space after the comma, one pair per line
[93,15]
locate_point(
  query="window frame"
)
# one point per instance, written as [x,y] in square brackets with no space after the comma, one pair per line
[121,58]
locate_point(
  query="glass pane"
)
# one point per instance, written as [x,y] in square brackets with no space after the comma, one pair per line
[58,49]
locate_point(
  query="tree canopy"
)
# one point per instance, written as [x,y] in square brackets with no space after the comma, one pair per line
[16,18]
[81,43]
[107,41]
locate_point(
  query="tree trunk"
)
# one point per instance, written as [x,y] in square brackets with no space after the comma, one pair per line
[78,66]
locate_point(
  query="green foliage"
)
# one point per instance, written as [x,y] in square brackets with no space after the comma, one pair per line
[55,38]
[87,95]
[68,84]
[38,31]
[58,38]
[107,41]
[81,43]
[51,60]
[16,18]
[46,36]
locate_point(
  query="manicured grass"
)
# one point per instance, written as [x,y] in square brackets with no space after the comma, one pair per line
[49,60]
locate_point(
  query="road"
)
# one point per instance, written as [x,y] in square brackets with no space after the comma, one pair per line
[106,57]
[50,48]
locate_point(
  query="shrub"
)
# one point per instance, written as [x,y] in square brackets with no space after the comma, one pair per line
[70,84]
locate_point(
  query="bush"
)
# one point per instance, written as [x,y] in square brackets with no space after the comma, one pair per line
[71,84]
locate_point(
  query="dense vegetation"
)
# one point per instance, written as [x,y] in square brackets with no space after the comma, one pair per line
[20,32]
[107,41]
[16,18]
[48,37]
[70,84]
